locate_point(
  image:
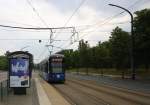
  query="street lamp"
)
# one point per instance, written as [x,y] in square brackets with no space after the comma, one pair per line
[132,41]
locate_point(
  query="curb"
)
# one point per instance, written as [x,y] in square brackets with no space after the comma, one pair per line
[43,98]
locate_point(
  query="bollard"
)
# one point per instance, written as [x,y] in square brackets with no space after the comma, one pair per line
[7,87]
[1,86]
[4,89]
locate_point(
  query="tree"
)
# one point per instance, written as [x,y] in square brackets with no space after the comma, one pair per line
[84,55]
[3,63]
[116,52]
[75,60]
[103,54]
[68,58]
[142,37]
[120,50]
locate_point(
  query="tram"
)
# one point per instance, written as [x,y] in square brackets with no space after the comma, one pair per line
[52,68]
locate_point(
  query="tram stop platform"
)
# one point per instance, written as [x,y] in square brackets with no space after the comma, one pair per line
[39,93]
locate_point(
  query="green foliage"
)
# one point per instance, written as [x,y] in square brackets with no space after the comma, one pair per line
[68,57]
[142,37]
[104,55]
[120,51]
[3,63]
[84,54]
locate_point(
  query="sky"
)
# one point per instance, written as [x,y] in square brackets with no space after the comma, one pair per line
[93,20]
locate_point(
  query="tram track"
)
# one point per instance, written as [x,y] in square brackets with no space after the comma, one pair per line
[139,93]
[139,98]
[103,94]
[94,97]
[78,99]
[112,98]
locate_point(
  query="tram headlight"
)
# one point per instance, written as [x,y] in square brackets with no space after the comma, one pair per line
[58,76]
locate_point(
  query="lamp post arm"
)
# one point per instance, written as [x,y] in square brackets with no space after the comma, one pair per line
[123,9]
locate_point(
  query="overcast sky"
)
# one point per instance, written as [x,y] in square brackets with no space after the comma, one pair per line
[92,19]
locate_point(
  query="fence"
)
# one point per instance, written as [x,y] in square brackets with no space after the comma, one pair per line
[3,86]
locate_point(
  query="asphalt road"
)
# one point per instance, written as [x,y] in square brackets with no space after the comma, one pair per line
[86,92]
[136,85]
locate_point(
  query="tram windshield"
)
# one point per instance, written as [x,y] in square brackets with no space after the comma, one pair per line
[56,66]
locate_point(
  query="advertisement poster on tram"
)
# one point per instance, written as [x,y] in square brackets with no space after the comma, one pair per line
[19,73]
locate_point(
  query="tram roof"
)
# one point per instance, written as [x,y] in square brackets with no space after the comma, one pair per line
[53,55]
[57,55]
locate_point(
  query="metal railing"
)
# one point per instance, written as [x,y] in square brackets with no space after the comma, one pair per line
[3,86]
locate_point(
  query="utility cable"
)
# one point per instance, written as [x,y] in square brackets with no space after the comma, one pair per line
[106,20]
[82,2]
[73,14]
[33,28]
[36,12]
[111,18]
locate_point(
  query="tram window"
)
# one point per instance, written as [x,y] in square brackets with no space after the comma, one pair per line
[56,67]
[57,70]
[46,67]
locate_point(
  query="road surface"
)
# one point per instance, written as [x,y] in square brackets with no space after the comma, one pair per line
[86,92]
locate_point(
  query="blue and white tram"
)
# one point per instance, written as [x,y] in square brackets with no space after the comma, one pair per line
[53,69]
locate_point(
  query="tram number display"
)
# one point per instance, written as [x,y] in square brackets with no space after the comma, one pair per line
[19,73]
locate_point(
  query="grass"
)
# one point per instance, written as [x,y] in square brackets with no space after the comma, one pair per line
[141,73]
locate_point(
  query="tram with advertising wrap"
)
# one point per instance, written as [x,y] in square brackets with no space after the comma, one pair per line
[52,69]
